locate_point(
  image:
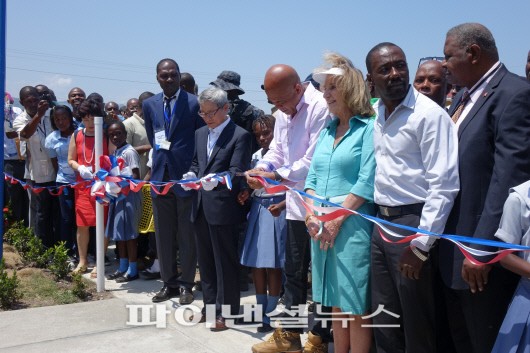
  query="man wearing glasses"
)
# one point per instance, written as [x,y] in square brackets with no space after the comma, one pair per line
[171,118]
[221,146]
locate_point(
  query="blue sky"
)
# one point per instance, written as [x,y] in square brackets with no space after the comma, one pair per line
[112,46]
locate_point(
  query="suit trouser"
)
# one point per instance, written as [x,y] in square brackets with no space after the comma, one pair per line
[17,195]
[217,252]
[173,228]
[297,256]
[412,300]
[475,319]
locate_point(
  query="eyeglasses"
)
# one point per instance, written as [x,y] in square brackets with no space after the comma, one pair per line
[208,115]
[428,58]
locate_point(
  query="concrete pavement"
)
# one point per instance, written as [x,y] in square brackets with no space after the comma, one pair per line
[101,326]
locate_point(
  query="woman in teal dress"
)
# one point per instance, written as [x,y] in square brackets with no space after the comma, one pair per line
[342,171]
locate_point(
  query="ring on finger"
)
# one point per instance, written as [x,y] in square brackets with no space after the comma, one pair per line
[327,242]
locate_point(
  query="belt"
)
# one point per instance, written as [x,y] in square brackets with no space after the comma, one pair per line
[333,199]
[396,211]
[267,201]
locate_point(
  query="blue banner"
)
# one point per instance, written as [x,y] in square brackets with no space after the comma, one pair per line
[3,85]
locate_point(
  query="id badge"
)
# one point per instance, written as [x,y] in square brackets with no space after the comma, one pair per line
[161,143]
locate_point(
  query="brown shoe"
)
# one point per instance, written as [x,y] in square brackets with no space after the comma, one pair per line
[201,320]
[280,341]
[314,344]
[219,325]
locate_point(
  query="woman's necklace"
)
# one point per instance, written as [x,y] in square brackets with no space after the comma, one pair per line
[84,150]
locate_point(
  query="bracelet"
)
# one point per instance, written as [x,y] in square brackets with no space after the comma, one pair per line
[418,254]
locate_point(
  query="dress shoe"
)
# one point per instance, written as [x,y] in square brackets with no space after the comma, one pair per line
[202,319]
[219,325]
[115,275]
[126,278]
[165,293]
[186,296]
[265,328]
[150,275]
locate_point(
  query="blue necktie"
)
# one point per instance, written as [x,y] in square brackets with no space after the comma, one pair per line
[167,114]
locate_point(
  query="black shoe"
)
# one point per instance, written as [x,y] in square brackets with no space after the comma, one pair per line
[150,275]
[265,328]
[126,278]
[165,293]
[197,286]
[115,275]
[186,296]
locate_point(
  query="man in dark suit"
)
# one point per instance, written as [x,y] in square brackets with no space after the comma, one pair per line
[221,146]
[171,118]
[492,115]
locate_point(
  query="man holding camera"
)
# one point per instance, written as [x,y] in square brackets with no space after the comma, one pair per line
[33,126]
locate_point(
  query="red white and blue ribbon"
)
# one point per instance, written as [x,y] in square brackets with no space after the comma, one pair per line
[112,181]
[333,211]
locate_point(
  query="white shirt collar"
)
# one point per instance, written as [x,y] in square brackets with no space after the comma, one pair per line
[218,129]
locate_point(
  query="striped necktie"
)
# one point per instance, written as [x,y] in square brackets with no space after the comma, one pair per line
[460,107]
[167,113]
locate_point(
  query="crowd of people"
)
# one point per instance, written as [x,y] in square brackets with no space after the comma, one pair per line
[444,155]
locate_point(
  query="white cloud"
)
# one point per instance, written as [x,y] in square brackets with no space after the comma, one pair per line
[59,81]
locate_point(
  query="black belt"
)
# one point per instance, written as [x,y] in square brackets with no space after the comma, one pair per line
[396,211]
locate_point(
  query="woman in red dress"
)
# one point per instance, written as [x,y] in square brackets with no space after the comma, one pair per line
[81,157]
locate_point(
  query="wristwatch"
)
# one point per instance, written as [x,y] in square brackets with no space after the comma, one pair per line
[422,255]
[277,176]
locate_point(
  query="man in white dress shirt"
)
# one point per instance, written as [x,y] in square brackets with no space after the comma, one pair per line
[415,185]
[302,113]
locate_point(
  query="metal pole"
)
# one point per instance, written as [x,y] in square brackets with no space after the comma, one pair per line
[2,86]
[100,224]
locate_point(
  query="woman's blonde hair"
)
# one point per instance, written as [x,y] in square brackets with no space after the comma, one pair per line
[351,85]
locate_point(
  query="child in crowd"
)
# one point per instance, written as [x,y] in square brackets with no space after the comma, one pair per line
[264,247]
[56,145]
[514,335]
[124,214]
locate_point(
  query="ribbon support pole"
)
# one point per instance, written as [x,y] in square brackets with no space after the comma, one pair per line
[100,224]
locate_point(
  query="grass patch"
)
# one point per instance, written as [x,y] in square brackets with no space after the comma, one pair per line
[41,289]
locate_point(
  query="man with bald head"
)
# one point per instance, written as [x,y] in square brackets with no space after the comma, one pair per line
[492,116]
[302,113]
[136,133]
[76,96]
[431,80]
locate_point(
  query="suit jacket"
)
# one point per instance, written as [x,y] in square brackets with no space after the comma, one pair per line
[494,155]
[231,153]
[173,163]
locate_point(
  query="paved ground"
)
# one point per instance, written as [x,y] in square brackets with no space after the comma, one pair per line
[101,326]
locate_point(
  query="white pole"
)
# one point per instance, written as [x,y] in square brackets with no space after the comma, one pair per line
[100,230]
